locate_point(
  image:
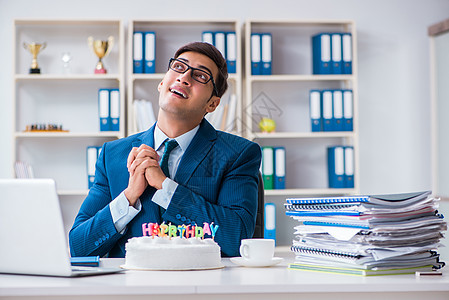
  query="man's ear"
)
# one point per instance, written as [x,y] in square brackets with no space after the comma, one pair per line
[160,86]
[212,104]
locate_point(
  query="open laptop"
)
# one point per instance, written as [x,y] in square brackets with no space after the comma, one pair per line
[32,234]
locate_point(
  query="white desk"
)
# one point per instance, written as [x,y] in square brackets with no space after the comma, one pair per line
[232,281]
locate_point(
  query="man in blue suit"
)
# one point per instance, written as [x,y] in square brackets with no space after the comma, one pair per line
[211,176]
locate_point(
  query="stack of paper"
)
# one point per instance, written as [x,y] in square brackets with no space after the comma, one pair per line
[143,115]
[367,235]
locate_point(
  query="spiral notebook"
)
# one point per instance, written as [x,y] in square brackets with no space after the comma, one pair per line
[393,200]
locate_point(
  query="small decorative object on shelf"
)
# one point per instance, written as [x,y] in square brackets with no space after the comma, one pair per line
[66,57]
[267,125]
[34,49]
[101,49]
[45,128]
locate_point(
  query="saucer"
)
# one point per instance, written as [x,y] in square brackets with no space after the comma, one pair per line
[245,263]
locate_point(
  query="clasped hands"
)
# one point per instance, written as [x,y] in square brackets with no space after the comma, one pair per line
[144,169]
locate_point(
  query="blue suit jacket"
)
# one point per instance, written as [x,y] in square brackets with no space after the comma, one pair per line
[217,177]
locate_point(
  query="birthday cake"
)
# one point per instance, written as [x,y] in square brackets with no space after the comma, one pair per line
[162,248]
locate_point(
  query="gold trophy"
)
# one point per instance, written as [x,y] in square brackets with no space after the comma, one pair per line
[34,49]
[101,49]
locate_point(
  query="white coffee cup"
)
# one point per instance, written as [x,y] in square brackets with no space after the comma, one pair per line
[258,251]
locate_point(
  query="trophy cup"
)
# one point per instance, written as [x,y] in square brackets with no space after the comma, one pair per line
[34,49]
[101,49]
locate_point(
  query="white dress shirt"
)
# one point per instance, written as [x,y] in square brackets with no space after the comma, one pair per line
[122,213]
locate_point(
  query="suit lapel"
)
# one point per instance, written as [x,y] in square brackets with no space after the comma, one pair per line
[196,152]
[146,138]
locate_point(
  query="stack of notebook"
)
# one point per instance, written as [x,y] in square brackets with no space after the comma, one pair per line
[367,235]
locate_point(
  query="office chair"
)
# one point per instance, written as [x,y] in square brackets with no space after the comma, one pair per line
[258,231]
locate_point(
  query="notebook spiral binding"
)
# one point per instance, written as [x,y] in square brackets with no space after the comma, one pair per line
[316,206]
[324,252]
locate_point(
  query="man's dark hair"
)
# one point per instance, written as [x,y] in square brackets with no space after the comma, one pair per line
[215,55]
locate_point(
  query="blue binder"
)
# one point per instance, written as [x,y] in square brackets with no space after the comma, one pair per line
[266,56]
[270,221]
[114,107]
[337,109]
[267,167]
[150,52]
[327,109]
[336,65]
[346,43]
[208,37]
[256,68]
[315,110]
[349,167]
[138,50]
[279,168]
[231,52]
[321,53]
[220,42]
[347,110]
[103,109]
[91,160]
[336,172]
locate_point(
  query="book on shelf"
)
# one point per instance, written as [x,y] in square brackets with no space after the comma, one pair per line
[261,53]
[223,118]
[109,109]
[226,43]
[92,154]
[273,167]
[331,110]
[332,53]
[144,116]
[23,169]
[144,52]
[340,161]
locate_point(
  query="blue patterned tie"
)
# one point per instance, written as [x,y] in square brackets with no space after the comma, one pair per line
[169,146]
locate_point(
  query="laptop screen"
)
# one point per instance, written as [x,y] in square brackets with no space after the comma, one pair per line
[31,228]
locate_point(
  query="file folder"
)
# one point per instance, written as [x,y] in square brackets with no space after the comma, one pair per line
[103,109]
[336,53]
[138,48]
[337,110]
[270,221]
[335,156]
[266,47]
[231,52]
[114,97]
[347,110]
[279,168]
[346,53]
[315,110]
[267,167]
[150,52]
[326,96]
[208,37]
[321,53]
[91,160]
[256,68]
[220,42]
[349,167]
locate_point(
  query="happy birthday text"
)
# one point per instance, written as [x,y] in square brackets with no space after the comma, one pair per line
[164,230]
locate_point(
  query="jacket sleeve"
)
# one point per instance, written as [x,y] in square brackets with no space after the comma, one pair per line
[93,232]
[235,206]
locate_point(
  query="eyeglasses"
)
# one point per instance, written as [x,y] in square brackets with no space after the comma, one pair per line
[198,75]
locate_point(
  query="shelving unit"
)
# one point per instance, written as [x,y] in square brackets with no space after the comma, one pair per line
[284,97]
[171,35]
[66,98]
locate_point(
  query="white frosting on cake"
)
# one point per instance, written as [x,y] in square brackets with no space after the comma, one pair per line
[156,253]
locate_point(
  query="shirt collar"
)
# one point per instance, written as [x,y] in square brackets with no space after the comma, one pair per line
[183,140]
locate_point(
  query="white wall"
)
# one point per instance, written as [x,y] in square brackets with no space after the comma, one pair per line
[393,68]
